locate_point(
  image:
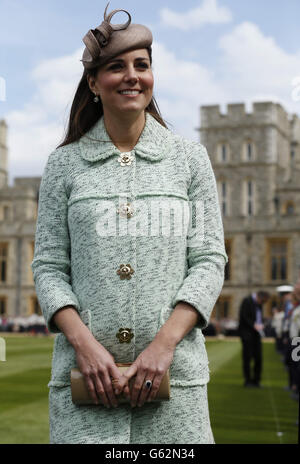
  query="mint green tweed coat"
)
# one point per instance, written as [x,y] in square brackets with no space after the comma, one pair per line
[128,268]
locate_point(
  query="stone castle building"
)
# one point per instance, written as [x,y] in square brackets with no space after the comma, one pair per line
[256,160]
[18,213]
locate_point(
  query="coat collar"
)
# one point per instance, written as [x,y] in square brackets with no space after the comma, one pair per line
[152,145]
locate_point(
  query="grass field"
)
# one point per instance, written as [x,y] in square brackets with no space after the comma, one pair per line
[249,416]
[238,415]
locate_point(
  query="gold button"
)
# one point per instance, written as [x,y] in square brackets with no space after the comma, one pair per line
[125,210]
[125,271]
[125,335]
[125,159]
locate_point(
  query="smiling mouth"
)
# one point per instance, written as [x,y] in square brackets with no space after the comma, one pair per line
[130,92]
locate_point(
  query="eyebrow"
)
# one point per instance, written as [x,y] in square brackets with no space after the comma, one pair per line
[121,60]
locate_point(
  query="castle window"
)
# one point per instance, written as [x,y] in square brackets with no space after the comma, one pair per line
[223,196]
[3,261]
[248,151]
[36,309]
[3,306]
[223,152]
[6,212]
[248,197]
[289,208]
[222,308]
[278,259]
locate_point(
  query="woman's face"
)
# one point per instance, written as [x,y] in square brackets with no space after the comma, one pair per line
[128,71]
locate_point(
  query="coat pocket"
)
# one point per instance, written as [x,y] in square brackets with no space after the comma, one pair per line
[190,365]
[64,355]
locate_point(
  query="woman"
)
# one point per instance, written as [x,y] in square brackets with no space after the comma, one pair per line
[110,284]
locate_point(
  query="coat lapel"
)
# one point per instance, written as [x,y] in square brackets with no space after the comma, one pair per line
[153,144]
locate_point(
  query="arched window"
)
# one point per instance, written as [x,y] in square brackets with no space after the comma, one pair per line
[278,259]
[223,152]
[248,151]
[223,189]
[248,197]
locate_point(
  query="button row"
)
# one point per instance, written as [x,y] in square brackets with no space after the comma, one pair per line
[125,335]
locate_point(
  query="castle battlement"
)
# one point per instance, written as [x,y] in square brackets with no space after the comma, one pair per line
[263,113]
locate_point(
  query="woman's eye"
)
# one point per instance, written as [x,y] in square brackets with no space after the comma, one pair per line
[139,65]
[115,66]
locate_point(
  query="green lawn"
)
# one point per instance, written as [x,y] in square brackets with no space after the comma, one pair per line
[244,415]
[238,415]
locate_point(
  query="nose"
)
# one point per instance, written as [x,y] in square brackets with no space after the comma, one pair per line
[131,74]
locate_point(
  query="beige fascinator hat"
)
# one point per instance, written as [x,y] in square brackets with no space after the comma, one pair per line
[109,40]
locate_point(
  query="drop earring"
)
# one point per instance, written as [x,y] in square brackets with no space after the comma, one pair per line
[96,99]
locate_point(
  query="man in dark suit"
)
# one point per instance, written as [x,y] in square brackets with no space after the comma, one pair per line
[251,331]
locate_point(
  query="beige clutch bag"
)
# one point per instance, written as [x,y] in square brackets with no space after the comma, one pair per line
[80,394]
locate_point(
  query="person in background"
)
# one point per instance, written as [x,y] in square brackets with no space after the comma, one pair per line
[285,293]
[294,331]
[251,331]
[277,320]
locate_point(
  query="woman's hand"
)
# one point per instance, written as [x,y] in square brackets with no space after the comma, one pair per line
[98,366]
[151,364]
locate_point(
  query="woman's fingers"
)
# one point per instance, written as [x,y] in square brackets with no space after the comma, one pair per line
[139,393]
[127,391]
[99,385]
[137,387]
[91,389]
[155,387]
[96,390]
[107,383]
[101,391]
[126,376]
[145,391]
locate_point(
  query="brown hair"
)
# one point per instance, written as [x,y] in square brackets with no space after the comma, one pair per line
[85,113]
[263,294]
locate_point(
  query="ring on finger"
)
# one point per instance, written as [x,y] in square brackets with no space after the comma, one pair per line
[148,384]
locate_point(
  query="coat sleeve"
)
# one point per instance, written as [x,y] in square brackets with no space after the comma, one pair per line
[206,254]
[51,262]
